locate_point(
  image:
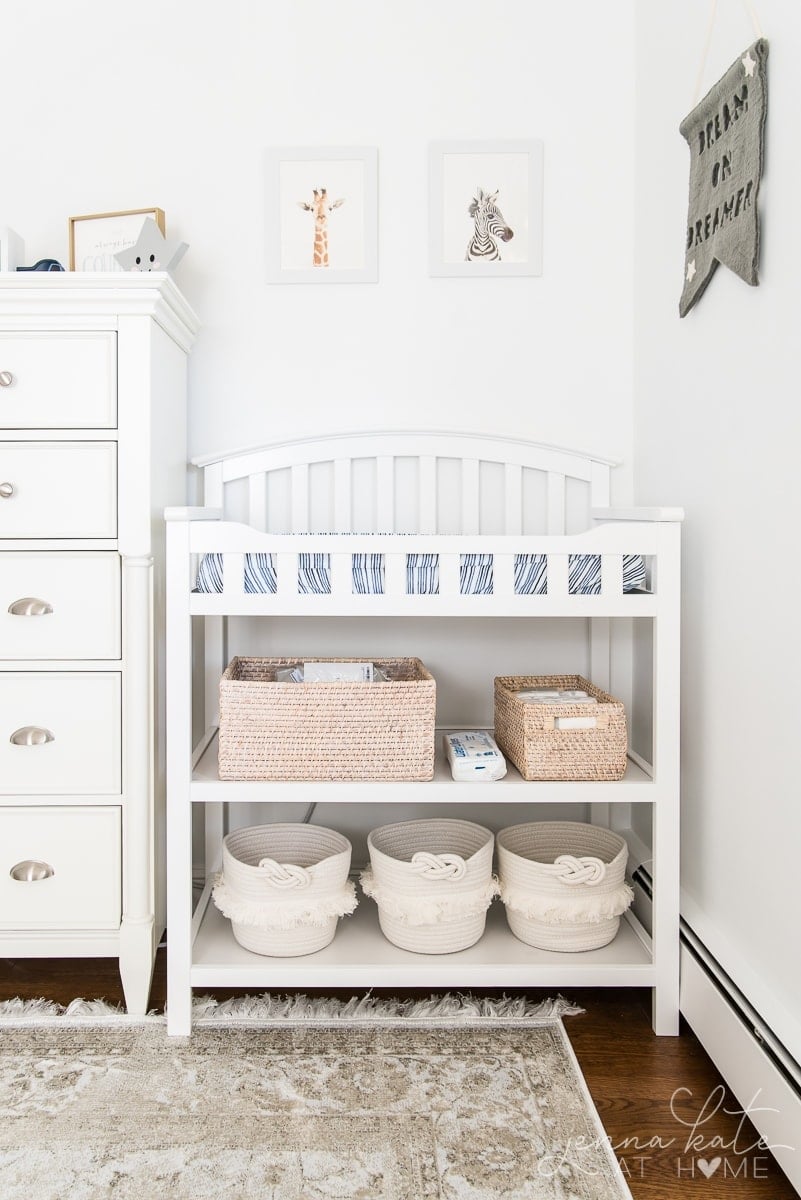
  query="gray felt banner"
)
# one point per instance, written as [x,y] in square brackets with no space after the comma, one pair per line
[725,133]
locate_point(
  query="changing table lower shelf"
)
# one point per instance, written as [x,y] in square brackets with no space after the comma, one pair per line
[360,956]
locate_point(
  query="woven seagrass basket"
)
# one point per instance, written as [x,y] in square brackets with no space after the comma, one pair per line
[432,881]
[271,730]
[542,740]
[563,883]
[284,887]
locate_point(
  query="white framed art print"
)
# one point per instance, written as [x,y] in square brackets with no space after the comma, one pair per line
[321,211]
[485,216]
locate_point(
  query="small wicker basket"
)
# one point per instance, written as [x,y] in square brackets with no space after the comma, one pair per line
[432,881]
[563,883]
[271,730]
[284,887]
[539,739]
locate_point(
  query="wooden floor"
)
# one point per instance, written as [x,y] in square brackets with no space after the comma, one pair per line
[649,1091]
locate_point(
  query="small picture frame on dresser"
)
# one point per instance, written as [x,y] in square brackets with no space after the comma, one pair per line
[97,237]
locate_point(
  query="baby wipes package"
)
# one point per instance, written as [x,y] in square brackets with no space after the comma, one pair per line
[474,756]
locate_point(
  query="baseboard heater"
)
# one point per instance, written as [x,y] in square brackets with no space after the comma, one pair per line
[757,1067]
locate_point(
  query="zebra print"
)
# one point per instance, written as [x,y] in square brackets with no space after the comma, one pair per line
[422,574]
[489,227]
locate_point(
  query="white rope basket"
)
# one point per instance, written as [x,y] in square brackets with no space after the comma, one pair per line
[284,887]
[432,881]
[563,883]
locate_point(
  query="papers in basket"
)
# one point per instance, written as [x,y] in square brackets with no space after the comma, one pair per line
[331,672]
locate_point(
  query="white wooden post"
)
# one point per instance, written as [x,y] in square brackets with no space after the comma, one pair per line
[179,757]
[137,947]
[666,847]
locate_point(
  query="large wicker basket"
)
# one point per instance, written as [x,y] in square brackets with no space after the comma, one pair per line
[539,739]
[432,881]
[271,730]
[284,887]
[563,883]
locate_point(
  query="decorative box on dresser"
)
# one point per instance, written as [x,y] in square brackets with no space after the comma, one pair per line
[92,448]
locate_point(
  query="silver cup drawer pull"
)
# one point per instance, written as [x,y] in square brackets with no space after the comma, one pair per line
[29,606]
[31,871]
[31,735]
[6,491]
[6,379]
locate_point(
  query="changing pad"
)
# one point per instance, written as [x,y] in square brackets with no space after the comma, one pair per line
[422,574]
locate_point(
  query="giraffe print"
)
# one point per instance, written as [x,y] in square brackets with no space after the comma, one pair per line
[321,207]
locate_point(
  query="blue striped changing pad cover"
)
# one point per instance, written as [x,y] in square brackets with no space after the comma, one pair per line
[422,574]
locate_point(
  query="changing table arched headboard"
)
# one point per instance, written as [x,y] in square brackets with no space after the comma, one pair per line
[407,482]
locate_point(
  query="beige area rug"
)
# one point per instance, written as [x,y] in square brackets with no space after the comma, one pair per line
[452,1099]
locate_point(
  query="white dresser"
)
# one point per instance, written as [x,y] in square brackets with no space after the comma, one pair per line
[92,448]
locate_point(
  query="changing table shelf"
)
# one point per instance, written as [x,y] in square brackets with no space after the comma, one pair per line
[207,787]
[360,955]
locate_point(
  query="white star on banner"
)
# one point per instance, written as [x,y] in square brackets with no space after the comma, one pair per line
[749,63]
[690,271]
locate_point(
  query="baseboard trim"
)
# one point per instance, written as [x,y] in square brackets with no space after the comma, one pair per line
[760,1083]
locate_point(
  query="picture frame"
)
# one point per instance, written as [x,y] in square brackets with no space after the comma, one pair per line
[321,214]
[94,239]
[480,192]
[12,249]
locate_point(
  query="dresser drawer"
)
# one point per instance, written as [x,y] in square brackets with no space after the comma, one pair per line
[58,489]
[60,868]
[82,592]
[58,380]
[76,746]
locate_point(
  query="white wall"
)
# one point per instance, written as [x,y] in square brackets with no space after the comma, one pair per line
[718,430]
[111,107]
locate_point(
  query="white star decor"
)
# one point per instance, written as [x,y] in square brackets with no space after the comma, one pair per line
[690,271]
[749,63]
[152,251]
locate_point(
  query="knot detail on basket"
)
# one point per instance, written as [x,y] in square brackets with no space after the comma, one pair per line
[439,866]
[284,875]
[573,871]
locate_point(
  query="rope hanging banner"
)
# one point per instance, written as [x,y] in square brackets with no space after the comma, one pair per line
[725,133]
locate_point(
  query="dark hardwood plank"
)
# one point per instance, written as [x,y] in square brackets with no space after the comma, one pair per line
[637,1081]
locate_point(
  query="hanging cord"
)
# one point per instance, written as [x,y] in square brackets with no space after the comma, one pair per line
[750,9]
[754,18]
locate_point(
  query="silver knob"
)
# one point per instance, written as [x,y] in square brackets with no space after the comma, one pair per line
[30,871]
[29,606]
[6,491]
[6,379]
[31,735]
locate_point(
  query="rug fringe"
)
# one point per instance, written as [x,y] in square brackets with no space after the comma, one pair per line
[77,1012]
[269,1009]
[272,1009]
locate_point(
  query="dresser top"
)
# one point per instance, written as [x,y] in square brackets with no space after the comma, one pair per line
[97,297]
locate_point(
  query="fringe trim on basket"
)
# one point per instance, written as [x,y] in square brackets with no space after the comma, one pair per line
[580,909]
[283,914]
[449,1009]
[429,910]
